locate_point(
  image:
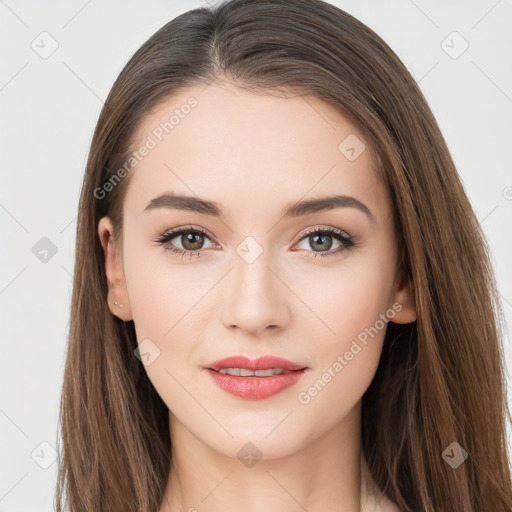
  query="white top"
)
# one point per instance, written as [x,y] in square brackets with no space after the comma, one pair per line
[372,499]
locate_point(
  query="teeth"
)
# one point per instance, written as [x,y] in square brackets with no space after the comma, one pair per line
[243,372]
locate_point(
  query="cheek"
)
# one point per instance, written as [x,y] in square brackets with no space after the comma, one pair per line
[168,301]
[352,307]
[166,308]
[350,300]
[161,290]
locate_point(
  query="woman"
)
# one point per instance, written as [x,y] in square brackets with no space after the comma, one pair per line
[272,308]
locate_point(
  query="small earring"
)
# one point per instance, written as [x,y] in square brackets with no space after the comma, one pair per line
[117,304]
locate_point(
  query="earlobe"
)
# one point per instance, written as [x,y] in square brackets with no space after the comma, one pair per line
[403,297]
[118,301]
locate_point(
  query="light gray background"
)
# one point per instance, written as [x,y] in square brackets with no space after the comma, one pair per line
[49,110]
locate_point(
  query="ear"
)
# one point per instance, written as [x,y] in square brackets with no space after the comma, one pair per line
[404,297]
[117,292]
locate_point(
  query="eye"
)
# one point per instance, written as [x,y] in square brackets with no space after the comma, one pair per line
[190,238]
[322,239]
[192,241]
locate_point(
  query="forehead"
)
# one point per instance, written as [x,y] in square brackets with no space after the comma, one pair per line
[248,150]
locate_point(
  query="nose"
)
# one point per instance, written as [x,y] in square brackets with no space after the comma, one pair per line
[256,298]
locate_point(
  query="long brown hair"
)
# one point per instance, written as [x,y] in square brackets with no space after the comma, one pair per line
[440,380]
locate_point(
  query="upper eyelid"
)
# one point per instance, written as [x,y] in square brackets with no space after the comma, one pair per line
[185,229]
[336,231]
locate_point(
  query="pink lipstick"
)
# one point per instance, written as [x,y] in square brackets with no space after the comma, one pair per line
[254,378]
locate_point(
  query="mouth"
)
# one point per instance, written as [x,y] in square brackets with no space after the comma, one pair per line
[256,378]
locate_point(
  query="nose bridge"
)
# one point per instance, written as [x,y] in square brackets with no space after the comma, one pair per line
[251,273]
[256,299]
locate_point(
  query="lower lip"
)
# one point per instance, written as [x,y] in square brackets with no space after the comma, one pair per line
[255,387]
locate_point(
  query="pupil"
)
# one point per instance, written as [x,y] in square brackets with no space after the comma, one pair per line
[194,239]
[323,237]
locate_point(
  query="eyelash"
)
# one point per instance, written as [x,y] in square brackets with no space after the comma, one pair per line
[346,240]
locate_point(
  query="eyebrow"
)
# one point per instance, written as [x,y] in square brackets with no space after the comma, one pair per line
[195,204]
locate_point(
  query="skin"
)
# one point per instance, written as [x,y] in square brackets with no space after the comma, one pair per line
[254,154]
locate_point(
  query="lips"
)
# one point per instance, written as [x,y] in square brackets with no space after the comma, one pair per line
[261,363]
[255,387]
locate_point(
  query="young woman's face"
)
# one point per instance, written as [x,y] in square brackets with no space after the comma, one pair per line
[258,282]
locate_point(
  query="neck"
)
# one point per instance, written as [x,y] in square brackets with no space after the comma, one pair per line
[324,474]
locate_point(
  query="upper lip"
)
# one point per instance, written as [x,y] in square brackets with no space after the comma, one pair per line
[261,363]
